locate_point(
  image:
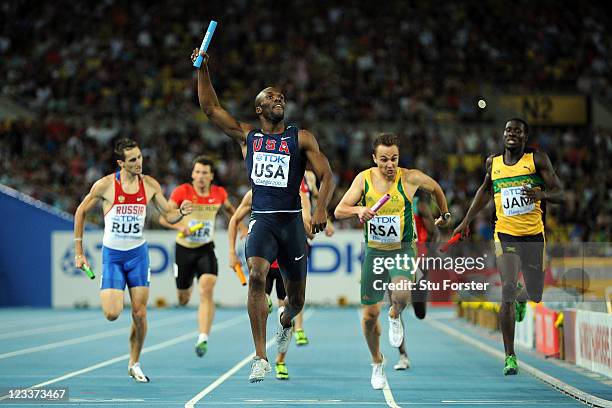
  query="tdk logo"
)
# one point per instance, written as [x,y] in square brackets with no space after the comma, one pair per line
[385,220]
[271,158]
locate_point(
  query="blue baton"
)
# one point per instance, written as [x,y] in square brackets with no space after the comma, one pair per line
[205,42]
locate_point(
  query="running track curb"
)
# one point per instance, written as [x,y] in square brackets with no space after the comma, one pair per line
[559,385]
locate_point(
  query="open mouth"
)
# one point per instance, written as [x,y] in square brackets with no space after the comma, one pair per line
[278,105]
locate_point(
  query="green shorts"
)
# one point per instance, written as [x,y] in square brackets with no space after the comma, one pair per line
[380,267]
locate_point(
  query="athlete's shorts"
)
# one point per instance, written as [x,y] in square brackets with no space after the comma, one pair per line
[374,273]
[125,267]
[193,262]
[279,236]
[274,275]
[529,248]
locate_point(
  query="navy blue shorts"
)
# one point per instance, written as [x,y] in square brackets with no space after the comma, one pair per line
[279,236]
[129,267]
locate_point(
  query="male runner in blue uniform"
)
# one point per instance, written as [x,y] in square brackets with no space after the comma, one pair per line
[276,155]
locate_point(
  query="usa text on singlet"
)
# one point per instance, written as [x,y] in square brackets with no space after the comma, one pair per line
[275,166]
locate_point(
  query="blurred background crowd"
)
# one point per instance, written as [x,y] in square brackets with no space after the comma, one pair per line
[122,68]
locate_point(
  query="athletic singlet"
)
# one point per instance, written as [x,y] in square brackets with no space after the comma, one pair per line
[515,215]
[275,166]
[124,221]
[205,209]
[393,223]
[419,225]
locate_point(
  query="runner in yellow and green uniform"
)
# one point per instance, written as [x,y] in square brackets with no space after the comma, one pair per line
[389,232]
[520,180]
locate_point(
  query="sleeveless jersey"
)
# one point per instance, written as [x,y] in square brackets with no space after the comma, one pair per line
[124,221]
[393,223]
[275,166]
[419,226]
[421,231]
[204,211]
[514,214]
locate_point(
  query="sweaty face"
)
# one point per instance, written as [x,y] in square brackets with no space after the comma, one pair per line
[133,161]
[387,160]
[270,103]
[202,175]
[514,135]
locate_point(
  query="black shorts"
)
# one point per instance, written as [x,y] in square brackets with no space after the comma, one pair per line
[279,236]
[529,248]
[193,262]
[274,275]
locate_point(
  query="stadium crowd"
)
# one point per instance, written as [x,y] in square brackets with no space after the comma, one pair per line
[122,69]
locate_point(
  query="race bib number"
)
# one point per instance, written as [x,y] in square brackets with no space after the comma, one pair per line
[270,169]
[204,235]
[514,202]
[126,221]
[384,229]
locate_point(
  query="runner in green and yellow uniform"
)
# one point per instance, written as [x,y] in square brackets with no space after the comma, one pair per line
[520,180]
[389,235]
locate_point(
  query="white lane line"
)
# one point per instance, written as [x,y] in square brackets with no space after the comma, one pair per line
[191,403]
[387,393]
[211,387]
[220,326]
[37,319]
[55,328]
[434,315]
[389,397]
[97,336]
[496,402]
[559,385]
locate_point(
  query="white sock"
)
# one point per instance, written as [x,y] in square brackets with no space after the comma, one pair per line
[202,337]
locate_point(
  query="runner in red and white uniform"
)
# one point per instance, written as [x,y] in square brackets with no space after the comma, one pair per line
[125,258]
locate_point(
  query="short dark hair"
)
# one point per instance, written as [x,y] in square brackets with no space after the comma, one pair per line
[205,161]
[385,139]
[122,145]
[523,121]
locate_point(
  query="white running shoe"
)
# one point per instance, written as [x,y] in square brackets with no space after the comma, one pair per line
[403,363]
[136,373]
[283,337]
[259,369]
[379,379]
[396,331]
